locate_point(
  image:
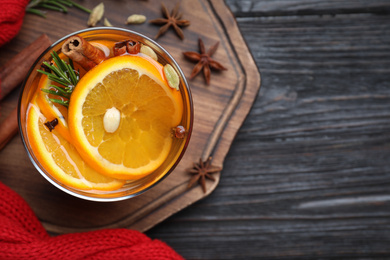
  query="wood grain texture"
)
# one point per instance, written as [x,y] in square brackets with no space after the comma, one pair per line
[251,8]
[308,175]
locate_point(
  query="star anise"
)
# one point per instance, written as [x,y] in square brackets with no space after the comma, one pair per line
[204,60]
[201,171]
[171,19]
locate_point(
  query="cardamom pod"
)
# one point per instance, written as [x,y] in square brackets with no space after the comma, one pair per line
[171,76]
[149,52]
[106,22]
[96,15]
[136,19]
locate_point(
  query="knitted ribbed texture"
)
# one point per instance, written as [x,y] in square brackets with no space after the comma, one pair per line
[11,18]
[22,236]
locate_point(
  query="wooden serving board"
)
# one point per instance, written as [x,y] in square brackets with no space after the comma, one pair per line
[220,109]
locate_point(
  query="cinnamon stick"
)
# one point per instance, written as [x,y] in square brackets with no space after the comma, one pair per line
[128,46]
[8,128]
[15,70]
[82,52]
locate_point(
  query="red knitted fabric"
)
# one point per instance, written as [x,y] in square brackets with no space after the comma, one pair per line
[11,18]
[22,236]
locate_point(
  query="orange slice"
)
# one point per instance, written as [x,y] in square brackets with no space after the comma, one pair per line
[61,159]
[146,110]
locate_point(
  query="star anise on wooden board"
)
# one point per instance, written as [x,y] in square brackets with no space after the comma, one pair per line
[171,19]
[204,60]
[201,171]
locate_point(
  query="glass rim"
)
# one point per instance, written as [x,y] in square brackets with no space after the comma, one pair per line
[96,198]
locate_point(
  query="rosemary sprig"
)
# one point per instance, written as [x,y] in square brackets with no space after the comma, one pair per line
[56,5]
[80,6]
[59,101]
[62,73]
[62,92]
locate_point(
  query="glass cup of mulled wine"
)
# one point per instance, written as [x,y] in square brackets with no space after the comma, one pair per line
[105,114]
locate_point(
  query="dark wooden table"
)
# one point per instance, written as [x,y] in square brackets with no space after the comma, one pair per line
[308,175]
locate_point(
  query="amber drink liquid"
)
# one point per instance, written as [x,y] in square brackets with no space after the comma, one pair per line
[66,158]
